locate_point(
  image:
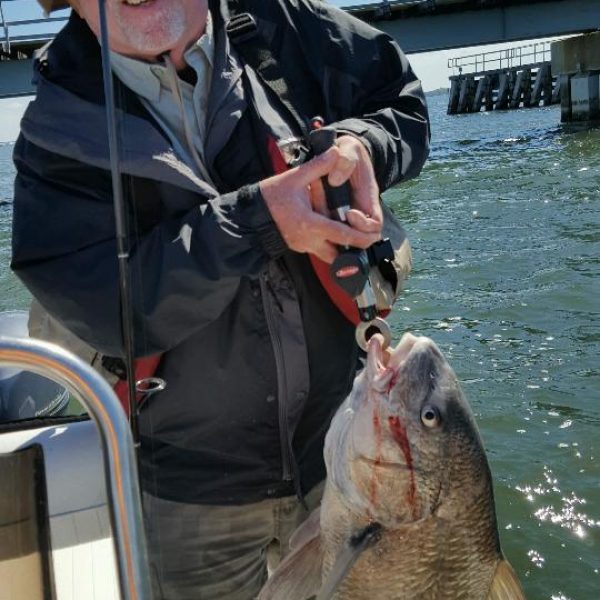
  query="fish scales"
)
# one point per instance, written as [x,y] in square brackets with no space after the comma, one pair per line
[418,572]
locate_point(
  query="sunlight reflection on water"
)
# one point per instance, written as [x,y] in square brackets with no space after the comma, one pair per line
[558,509]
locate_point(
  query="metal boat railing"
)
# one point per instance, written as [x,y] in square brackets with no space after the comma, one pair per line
[120,468]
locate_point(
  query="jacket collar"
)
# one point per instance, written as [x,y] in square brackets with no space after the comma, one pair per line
[70,75]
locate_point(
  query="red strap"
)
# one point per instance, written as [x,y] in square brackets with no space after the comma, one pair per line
[144,367]
[277,161]
[338,296]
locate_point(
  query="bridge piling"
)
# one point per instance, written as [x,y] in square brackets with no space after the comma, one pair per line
[521,91]
[584,97]
[454,96]
[542,90]
[483,93]
[556,92]
[504,90]
[467,95]
[565,98]
[577,61]
[516,77]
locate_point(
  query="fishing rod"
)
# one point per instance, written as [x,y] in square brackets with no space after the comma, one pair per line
[120,228]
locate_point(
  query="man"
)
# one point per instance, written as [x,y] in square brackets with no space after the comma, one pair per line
[255,355]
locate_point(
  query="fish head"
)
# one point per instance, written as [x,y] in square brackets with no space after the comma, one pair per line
[404,445]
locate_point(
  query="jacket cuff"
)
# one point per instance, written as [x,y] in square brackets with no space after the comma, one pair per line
[255,216]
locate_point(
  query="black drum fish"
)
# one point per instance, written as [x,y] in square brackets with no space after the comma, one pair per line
[408,509]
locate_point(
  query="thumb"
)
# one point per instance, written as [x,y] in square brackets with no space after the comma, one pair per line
[317,167]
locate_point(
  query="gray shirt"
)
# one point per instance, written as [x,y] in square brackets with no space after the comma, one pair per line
[176,104]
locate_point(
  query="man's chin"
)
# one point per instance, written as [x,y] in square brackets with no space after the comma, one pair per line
[148,32]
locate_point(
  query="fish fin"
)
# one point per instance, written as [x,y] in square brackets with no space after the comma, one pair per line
[298,576]
[364,538]
[505,585]
[308,530]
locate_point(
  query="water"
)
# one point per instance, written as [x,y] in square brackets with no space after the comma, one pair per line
[505,226]
[12,294]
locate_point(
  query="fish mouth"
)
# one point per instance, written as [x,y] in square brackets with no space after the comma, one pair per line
[386,366]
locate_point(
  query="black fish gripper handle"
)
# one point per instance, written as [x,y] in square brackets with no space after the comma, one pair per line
[321,139]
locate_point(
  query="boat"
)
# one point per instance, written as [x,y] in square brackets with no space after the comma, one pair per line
[66,531]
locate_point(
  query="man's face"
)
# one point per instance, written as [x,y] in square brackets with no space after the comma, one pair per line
[147,28]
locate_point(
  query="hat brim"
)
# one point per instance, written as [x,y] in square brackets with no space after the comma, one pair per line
[50,5]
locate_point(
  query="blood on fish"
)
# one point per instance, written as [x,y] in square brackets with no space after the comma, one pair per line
[399,434]
[393,380]
[373,483]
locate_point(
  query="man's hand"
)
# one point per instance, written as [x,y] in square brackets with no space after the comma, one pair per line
[354,165]
[289,199]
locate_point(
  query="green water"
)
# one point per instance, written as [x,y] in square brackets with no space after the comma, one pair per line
[505,226]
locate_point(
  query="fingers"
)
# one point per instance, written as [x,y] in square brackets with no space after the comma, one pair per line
[315,168]
[354,165]
[318,199]
[358,220]
[341,234]
[344,167]
[298,205]
[365,193]
[352,154]
[325,250]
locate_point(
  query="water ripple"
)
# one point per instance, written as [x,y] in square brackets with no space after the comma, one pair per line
[559,509]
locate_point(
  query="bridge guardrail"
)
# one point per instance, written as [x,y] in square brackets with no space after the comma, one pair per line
[5,41]
[28,30]
[500,59]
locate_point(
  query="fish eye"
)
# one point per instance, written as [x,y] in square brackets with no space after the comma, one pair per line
[430,416]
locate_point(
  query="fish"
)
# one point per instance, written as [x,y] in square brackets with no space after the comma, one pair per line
[408,506]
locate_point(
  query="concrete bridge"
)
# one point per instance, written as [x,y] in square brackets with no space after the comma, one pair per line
[23,30]
[426,25]
[418,25]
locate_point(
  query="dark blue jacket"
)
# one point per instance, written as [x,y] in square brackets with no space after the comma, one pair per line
[256,357]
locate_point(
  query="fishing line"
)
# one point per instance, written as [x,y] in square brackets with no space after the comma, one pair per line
[120,227]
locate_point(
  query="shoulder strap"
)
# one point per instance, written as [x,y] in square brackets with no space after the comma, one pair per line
[245,34]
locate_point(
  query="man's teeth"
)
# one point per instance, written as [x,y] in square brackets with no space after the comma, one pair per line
[135,2]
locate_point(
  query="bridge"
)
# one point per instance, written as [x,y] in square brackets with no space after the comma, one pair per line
[427,25]
[418,25]
[23,30]
[503,79]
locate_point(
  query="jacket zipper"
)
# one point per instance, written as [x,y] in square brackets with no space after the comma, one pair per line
[286,459]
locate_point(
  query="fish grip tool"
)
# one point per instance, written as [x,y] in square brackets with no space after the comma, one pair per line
[355,270]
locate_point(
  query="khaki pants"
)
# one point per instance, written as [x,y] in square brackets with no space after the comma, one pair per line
[200,552]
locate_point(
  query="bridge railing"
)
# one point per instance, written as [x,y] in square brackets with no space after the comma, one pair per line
[23,24]
[501,59]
